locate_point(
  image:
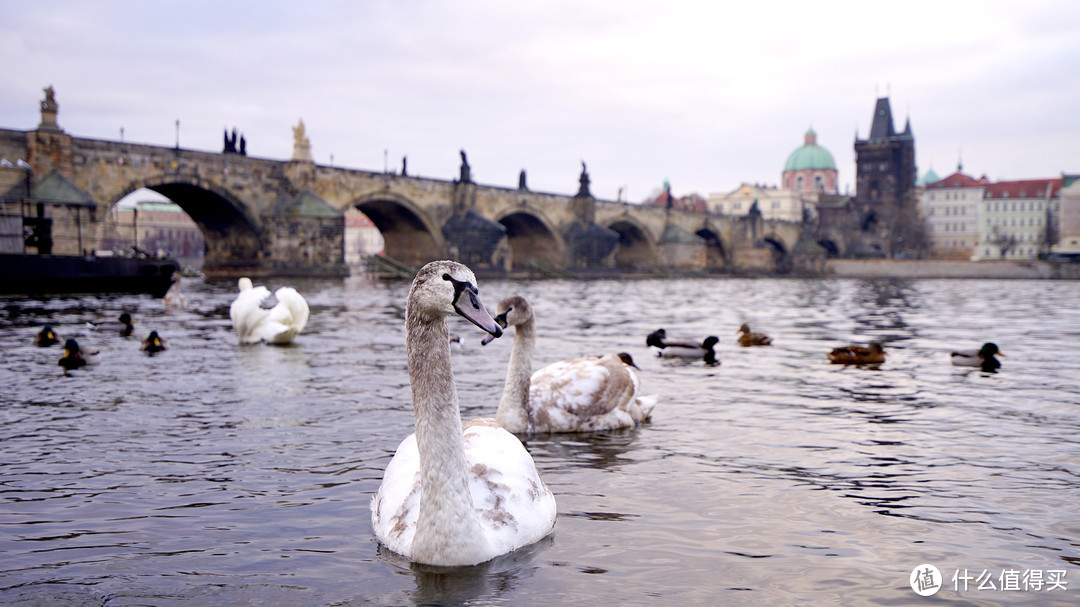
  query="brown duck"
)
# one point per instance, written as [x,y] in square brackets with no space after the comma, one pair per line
[871,354]
[749,338]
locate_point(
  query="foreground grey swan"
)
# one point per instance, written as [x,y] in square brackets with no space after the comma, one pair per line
[586,394]
[451,497]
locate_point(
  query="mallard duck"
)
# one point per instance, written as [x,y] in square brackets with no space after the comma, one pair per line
[46,337]
[982,358]
[259,316]
[153,343]
[656,338]
[749,338]
[75,357]
[123,325]
[452,496]
[870,354]
[684,349]
[585,394]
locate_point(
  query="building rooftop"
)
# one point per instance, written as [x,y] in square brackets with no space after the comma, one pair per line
[810,156]
[957,180]
[1027,188]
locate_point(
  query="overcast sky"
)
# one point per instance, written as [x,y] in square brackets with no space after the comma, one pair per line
[706,94]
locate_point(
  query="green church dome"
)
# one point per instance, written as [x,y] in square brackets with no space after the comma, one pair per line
[810,156]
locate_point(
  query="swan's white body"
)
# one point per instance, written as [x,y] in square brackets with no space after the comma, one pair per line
[586,394]
[450,496]
[259,316]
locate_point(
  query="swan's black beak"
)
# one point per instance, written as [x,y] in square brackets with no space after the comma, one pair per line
[467,303]
[499,320]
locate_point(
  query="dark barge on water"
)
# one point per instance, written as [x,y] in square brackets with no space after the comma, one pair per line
[38,275]
[46,240]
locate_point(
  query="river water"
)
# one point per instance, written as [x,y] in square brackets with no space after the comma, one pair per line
[214,474]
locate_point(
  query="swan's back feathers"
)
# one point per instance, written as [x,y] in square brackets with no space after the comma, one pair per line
[259,315]
[513,505]
[245,313]
[586,394]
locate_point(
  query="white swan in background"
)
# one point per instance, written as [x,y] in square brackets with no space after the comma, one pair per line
[257,315]
[449,496]
[586,394]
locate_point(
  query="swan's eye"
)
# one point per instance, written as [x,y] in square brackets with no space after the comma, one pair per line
[446,277]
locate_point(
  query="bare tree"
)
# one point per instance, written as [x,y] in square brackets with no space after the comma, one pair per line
[1003,241]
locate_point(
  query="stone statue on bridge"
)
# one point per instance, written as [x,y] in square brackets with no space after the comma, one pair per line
[50,99]
[583,181]
[301,145]
[49,109]
[466,170]
[521,180]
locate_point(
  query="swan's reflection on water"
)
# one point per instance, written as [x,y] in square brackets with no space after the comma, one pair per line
[495,580]
[599,450]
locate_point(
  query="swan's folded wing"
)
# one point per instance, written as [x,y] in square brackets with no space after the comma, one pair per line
[580,388]
[294,312]
[396,507]
[514,505]
[246,314]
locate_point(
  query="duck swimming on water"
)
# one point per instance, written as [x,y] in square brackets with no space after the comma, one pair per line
[983,357]
[46,337]
[123,325]
[684,349]
[871,354]
[749,338]
[75,357]
[153,343]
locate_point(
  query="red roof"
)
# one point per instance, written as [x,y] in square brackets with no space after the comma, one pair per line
[1027,188]
[957,180]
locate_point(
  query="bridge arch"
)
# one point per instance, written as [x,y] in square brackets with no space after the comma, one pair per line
[409,234]
[230,231]
[780,253]
[716,254]
[529,235]
[637,248]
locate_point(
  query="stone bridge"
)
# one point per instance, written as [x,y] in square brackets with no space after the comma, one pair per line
[261,216]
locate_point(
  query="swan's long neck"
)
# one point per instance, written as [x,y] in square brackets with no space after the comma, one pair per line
[513,412]
[447,530]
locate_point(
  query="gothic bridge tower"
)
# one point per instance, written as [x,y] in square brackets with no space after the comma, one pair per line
[885,193]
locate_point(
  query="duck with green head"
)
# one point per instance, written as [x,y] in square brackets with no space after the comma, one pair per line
[984,357]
